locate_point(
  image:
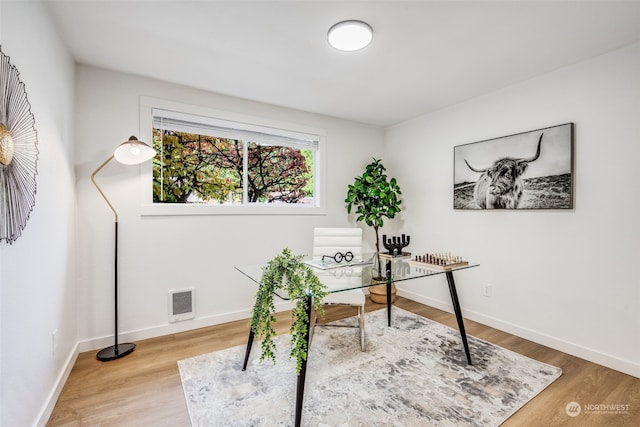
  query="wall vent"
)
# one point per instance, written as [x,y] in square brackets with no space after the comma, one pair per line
[181,305]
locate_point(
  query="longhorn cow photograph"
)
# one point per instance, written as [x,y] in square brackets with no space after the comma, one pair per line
[529,170]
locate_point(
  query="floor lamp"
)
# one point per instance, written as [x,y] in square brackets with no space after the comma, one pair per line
[131,152]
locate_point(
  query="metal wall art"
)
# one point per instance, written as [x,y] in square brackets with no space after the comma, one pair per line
[530,170]
[18,153]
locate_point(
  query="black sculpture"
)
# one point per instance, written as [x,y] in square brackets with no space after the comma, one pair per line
[395,244]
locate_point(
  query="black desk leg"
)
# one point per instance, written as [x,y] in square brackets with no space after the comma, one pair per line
[389,282]
[248,352]
[456,308]
[303,368]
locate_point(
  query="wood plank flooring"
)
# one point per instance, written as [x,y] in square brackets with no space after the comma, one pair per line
[144,389]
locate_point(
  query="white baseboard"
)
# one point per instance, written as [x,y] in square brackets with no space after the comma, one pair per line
[173,328]
[613,362]
[47,410]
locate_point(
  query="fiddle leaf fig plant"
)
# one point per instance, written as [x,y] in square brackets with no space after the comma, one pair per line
[286,272]
[374,197]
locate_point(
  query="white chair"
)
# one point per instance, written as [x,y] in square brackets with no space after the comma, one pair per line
[328,242]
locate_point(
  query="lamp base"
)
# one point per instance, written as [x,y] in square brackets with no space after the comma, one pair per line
[112,353]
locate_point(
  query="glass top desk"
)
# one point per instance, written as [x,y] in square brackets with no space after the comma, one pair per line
[363,273]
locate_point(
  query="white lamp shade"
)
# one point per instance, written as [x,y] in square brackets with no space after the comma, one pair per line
[133,152]
[350,35]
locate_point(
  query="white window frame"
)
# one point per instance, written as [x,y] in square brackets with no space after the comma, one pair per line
[148,104]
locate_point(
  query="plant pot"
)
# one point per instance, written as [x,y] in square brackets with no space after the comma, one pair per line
[378,293]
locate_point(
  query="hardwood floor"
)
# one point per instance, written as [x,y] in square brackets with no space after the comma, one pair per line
[144,389]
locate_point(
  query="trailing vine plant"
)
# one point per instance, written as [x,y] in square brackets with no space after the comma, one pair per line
[286,272]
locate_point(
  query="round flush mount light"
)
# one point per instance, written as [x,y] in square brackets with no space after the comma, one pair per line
[350,35]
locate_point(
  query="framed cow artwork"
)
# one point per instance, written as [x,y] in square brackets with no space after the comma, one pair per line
[529,170]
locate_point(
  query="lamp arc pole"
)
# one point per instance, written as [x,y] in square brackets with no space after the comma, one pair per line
[131,152]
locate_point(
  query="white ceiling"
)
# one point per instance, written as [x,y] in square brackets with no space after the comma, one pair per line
[425,55]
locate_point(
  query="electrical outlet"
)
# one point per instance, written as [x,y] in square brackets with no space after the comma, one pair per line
[487,290]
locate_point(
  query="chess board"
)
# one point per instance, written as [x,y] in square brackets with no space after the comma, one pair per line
[439,261]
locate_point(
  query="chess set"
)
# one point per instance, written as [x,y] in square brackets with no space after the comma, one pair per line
[439,261]
[431,261]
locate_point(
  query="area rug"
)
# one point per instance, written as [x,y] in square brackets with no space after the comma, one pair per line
[413,373]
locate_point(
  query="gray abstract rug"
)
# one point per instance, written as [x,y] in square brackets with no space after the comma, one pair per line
[413,373]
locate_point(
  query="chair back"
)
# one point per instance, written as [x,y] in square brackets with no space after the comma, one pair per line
[329,241]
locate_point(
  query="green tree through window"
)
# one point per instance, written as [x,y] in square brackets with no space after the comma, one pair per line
[204,168]
[189,168]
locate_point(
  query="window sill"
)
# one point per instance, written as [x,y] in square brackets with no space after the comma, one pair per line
[170,209]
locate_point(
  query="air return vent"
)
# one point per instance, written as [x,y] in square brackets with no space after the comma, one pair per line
[181,305]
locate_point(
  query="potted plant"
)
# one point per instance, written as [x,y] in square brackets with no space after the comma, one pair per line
[374,197]
[286,272]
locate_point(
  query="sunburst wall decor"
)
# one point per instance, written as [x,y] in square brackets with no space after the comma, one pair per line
[18,153]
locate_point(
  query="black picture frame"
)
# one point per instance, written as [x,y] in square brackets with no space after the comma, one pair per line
[528,170]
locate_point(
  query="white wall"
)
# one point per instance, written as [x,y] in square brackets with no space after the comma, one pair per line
[181,251]
[567,279]
[37,272]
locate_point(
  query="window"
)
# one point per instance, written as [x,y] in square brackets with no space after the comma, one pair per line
[211,159]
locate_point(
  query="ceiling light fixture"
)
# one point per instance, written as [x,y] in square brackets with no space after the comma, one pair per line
[350,35]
